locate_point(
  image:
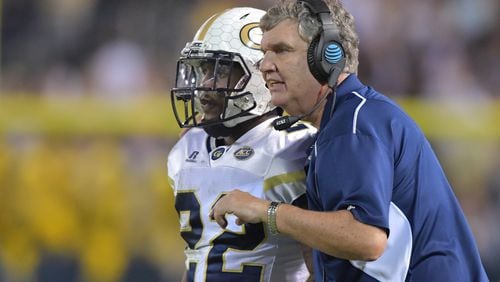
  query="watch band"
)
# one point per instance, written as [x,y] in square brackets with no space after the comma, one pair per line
[271,217]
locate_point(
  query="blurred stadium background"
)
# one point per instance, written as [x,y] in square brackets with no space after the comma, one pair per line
[86,124]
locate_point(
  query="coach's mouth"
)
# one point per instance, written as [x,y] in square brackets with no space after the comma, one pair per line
[275,85]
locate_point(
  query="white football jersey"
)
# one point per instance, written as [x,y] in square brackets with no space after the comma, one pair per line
[263,162]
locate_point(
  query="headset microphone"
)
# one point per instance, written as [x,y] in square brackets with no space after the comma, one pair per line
[285,122]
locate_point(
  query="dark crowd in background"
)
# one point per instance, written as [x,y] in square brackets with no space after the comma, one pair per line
[430,48]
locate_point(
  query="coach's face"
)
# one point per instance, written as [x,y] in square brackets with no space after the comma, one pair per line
[286,72]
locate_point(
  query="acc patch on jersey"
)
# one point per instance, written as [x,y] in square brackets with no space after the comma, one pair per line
[243,153]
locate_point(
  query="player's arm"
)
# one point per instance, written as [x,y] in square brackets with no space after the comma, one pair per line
[336,233]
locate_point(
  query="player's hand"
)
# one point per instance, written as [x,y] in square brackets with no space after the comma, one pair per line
[247,208]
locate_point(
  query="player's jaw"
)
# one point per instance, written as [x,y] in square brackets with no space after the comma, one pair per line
[211,106]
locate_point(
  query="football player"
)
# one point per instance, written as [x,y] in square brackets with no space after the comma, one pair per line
[221,97]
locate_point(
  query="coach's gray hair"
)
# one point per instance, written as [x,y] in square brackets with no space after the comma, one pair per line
[309,26]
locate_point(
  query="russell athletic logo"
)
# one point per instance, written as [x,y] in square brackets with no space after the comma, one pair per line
[192,157]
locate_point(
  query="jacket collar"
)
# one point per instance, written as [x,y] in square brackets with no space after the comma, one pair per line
[350,84]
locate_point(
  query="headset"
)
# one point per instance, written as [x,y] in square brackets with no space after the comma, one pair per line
[325,57]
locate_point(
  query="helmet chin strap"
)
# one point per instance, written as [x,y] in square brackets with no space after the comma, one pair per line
[235,121]
[221,130]
[228,128]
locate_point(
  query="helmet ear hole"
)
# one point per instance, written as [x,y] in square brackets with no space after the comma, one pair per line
[242,82]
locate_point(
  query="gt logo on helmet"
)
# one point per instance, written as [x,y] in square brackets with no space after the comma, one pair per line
[251,35]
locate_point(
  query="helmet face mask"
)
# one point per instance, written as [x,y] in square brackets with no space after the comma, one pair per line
[208,85]
[218,81]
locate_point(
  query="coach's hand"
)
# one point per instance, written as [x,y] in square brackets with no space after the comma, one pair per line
[247,208]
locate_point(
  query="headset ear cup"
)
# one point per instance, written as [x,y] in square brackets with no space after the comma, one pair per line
[314,63]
